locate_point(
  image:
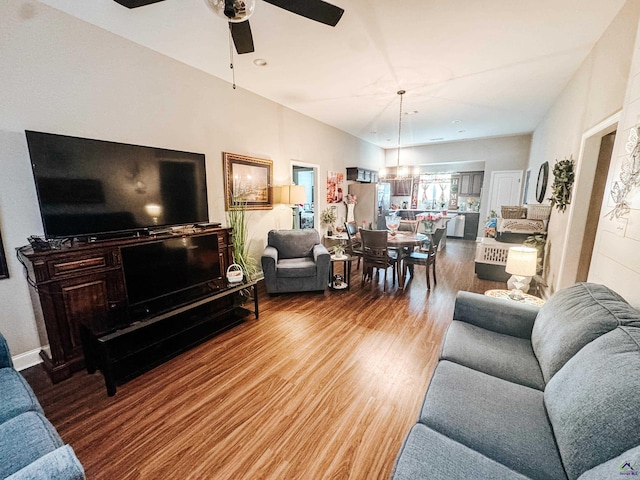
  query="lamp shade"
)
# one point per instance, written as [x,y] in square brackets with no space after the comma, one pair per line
[290,194]
[522,261]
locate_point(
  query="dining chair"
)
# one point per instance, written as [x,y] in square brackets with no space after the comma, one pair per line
[426,258]
[408,226]
[376,255]
[354,246]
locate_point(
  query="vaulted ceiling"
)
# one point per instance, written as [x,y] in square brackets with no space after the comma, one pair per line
[470,68]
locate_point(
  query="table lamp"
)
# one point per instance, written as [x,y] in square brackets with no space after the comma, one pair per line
[291,195]
[521,262]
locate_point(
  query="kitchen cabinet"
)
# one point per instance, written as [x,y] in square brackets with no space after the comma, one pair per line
[363,175]
[471,184]
[401,188]
[472,219]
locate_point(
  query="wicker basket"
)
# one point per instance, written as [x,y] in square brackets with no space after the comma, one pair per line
[538,212]
[513,212]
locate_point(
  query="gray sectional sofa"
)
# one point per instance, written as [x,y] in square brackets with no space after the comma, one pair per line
[30,447]
[526,392]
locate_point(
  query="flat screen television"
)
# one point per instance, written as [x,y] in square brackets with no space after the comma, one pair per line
[166,273]
[93,187]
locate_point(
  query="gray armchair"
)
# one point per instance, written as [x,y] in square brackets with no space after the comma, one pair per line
[295,261]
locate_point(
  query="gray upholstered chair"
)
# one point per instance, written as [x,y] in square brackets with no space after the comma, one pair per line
[295,261]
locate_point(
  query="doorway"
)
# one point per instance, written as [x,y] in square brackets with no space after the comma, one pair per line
[504,189]
[305,175]
[586,202]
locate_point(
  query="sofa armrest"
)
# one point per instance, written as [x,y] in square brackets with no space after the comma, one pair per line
[60,464]
[269,261]
[5,355]
[498,315]
[319,250]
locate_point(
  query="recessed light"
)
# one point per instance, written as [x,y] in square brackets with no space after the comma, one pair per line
[260,62]
[461,131]
[456,122]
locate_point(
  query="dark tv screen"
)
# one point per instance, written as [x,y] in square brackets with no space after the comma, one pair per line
[152,270]
[92,187]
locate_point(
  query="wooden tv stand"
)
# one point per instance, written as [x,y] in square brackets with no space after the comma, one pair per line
[82,283]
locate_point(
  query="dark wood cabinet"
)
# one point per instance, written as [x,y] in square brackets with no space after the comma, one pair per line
[471,184]
[362,175]
[84,284]
[472,219]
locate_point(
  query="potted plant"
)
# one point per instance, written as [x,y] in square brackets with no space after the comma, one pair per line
[236,219]
[338,251]
[327,219]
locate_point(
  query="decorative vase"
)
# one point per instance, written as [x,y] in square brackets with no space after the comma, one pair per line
[350,217]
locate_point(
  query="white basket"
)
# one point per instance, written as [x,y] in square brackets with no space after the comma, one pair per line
[538,212]
[234,276]
[488,250]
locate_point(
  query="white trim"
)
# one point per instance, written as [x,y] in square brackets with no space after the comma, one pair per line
[562,280]
[27,359]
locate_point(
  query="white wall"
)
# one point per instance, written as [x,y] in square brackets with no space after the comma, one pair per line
[595,93]
[616,256]
[499,153]
[61,75]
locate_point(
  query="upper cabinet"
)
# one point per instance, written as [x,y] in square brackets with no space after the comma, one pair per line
[363,175]
[401,188]
[470,184]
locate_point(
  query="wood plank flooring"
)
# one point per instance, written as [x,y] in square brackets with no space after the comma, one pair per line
[322,386]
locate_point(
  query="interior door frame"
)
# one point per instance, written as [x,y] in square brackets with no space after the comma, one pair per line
[583,184]
[316,180]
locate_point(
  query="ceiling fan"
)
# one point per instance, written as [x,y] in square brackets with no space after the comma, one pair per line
[237,13]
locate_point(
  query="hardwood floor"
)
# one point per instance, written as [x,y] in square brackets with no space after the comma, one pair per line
[322,386]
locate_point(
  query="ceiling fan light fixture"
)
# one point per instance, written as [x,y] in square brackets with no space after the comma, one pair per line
[234,11]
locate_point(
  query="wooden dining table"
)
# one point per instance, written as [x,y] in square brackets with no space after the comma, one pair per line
[404,243]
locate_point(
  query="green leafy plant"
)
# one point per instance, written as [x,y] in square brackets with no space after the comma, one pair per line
[237,219]
[563,178]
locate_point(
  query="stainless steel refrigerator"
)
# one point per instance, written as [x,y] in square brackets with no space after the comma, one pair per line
[373,203]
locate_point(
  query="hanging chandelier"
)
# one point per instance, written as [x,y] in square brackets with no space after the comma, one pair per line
[400,172]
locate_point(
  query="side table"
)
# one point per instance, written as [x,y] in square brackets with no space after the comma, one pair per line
[345,281]
[526,298]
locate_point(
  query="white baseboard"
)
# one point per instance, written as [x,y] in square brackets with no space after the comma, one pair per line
[27,359]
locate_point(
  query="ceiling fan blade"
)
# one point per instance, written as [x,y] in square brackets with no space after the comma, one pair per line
[136,3]
[317,10]
[242,38]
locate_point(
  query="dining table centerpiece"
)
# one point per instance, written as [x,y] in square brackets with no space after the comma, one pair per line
[428,219]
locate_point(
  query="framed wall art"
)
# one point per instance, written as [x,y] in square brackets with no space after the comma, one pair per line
[247,180]
[4,270]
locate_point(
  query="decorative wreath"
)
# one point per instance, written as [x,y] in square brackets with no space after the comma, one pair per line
[563,178]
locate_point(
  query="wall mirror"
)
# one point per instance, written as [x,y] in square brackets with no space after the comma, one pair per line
[541,185]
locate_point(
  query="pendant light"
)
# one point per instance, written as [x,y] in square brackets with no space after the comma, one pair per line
[400,173]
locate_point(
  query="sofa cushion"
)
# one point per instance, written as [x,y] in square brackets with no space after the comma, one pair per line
[294,243]
[296,267]
[24,439]
[625,465]
[503,356]
[574,317]
[503,421]
[429,454]
[60,464]
[594,401]
[16,396]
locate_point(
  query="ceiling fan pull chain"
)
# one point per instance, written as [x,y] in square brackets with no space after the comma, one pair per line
[233,71]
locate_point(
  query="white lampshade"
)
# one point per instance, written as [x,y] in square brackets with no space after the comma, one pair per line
[290,194]
[522,261]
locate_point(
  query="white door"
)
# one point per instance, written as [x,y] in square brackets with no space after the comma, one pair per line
[504,189]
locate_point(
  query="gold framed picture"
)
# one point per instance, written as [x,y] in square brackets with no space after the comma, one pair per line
[247,180]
